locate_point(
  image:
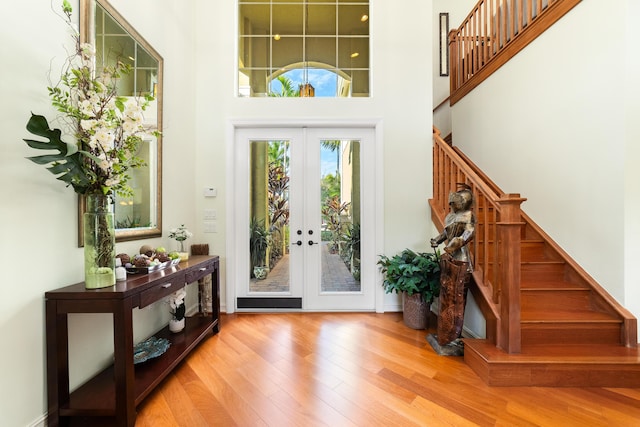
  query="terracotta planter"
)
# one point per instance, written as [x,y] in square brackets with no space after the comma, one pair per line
[415,311]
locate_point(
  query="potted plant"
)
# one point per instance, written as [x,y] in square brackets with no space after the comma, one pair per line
[415,275]
[181,234]
[258,245]
[95,149]
[178,309]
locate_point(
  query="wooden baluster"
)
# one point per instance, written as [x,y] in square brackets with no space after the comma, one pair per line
[515,26]
[491,273]
[474,41]
[437,172]
[465,53]
[494,279]
[485,35]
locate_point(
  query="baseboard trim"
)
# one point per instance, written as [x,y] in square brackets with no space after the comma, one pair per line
[40,422]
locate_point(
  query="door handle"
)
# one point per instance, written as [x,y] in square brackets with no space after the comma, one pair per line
[311,243]
[299,243]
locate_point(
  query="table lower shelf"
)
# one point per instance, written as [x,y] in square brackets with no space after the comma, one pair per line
[97,396]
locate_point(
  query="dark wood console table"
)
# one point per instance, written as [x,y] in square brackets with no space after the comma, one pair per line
[116,391]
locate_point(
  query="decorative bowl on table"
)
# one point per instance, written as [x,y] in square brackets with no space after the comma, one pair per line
[149,348]
[153,267]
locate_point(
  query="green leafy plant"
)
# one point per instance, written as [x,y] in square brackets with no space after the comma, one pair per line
[351,249]
[412,272]
[288,89]
[130,222]
[68,163]
[259,240]
[332,215]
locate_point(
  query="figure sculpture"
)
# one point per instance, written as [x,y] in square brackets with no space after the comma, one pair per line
[456,267]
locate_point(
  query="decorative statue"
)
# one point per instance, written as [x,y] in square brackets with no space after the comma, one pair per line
[456,267]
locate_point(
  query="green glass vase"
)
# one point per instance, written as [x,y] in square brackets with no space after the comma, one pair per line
[99,242]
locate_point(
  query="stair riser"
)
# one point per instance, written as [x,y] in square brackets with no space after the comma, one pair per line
[564,366]
[553,374]
[550,334]
[547,300]
[529,252]
[536,272]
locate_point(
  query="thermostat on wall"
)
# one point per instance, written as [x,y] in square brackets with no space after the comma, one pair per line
[210,192]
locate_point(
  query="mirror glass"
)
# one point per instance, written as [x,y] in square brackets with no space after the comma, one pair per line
[140,216]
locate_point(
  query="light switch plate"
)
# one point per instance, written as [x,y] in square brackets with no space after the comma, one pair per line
[210,227]
[209,214]
[210,192]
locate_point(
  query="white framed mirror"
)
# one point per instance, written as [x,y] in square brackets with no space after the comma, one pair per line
[140,216]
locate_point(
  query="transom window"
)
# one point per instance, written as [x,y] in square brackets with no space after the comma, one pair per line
[303,48]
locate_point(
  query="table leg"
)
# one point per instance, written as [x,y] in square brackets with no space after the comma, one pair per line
[123,364]
[57,363]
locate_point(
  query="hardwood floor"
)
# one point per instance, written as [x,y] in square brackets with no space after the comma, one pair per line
[355,369]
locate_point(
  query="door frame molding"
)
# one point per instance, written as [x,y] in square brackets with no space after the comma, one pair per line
[232,249]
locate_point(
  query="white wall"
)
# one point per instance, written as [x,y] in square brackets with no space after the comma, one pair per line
[38,214]
[398,32]
[458,11]
[551,125]
[631,157]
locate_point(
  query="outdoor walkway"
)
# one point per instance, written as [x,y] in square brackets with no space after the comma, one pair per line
[335,275]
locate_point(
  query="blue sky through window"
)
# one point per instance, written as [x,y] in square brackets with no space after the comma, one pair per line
[324,82]
[328,162]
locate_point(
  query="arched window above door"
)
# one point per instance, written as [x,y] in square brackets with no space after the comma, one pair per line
[322,46]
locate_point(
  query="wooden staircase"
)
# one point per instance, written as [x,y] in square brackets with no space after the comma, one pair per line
[548,322]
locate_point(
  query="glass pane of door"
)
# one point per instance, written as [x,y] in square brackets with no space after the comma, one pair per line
[269,216]
[303,195]
[340,212]
[340,207]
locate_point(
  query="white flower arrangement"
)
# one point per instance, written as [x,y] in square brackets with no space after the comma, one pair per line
[176,302]
[180,234]
[108,128]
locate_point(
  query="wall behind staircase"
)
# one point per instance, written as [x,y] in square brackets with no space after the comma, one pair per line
[632,157]
[554,124]
[458,10]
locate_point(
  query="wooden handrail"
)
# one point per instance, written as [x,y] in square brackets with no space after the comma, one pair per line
[493,32]
[497,234]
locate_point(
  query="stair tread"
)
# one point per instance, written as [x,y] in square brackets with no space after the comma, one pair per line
[543,262]
[566,354]
[552,286]
[567,316]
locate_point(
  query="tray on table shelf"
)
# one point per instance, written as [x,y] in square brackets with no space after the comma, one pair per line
[151,268]
[150,348]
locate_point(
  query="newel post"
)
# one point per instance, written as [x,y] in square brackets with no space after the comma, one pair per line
[509,228]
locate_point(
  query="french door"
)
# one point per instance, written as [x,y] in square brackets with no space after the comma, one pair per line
[304,218]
